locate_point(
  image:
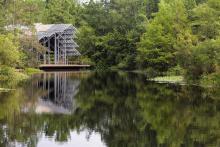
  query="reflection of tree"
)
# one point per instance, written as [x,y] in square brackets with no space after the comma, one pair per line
[14,126]
[130,112]
[111,108]
[124,108]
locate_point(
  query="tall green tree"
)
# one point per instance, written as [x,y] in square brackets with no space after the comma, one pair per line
[2,17]
[190,4]
[204,59]
[9,51]
[120,24]
[151,7]
[60,11]
[205,20]
[157,48]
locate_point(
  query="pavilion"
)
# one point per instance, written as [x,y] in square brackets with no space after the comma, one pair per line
[58,39]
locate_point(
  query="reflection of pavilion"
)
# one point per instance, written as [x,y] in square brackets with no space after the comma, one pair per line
[58,93]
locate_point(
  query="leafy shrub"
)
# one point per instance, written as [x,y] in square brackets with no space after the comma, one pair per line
[176,71]
[9,76]
[211,80]
[101,66]
[30,71]
[204,59]
[9,51]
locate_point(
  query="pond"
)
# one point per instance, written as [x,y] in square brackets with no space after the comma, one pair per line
[108,109]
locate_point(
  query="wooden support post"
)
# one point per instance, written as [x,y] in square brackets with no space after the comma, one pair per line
[55,50]
[44,56]
[49,50]
[65,51]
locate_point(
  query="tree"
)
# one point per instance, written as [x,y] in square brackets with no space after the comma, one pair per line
[9,51]
[151,7]
[205,20]
[60,11]
[190,4]
[33,11]
[157,48]
[204,59]
[201,1]
[86,39]
[2,17]
[120,24]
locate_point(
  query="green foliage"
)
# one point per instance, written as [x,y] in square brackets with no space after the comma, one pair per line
[23,12]
[176,71]
[185,34]
[31,11]
[86,40]
[57,11]
[9,51]
[201,1]
[204,59]
[151,7]
[113,41]
[157,46]
[2,17]
[31,71]
[212,80]
[11,57]
[190,4]
[86,60]
[9,77]
[29,46]
[205,20]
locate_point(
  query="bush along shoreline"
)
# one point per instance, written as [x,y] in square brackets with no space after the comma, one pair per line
[11,77]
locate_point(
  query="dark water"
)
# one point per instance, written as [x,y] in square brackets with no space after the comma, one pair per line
[86,109]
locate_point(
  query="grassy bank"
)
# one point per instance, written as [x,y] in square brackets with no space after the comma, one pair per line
[10,77]
[5,90]
[30,71]
[212,80]
[168,79]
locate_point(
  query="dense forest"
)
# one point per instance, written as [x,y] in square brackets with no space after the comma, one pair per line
[160,37]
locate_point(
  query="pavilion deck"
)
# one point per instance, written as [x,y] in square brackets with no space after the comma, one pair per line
[63,67]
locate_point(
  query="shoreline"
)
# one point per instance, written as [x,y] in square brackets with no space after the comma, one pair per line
[6,90]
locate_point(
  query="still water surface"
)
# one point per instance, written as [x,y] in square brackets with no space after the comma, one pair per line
[88,109]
